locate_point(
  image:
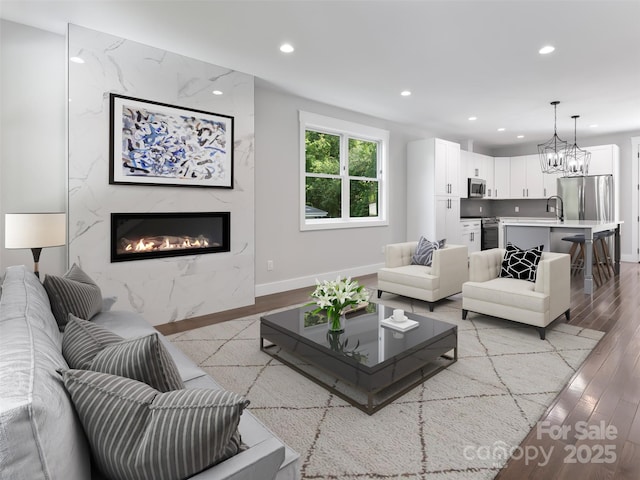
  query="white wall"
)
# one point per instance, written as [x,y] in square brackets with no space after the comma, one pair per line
[301,257]
[32,133]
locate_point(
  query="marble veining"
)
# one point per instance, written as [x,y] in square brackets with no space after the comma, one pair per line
[169,289]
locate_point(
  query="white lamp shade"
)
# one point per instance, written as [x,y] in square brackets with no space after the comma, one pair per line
[35,230]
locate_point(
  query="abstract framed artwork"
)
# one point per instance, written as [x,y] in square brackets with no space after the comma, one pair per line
[154,143]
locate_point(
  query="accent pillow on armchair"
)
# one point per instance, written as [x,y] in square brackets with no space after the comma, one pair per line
[521,264]
[424,251]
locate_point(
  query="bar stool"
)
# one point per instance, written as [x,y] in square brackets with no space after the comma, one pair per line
[577,254]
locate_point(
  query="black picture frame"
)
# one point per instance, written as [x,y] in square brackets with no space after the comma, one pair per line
[153,143]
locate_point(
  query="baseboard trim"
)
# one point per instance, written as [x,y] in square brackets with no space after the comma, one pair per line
[310,280]
[628,258]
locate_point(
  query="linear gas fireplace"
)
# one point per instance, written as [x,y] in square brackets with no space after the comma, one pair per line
[140,236]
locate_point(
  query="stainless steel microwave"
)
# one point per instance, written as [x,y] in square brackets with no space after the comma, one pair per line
[477,188]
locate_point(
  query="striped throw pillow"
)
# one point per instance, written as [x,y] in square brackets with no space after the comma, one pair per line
[76,293]
[138,433]
[424,251]
[144,359]
[83,340]
[87,346]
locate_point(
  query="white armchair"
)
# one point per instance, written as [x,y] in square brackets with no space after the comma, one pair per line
[534,303]
[445,276]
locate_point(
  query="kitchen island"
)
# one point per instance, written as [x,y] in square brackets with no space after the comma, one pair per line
[531,233]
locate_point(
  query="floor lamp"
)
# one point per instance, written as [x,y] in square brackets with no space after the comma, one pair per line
[35,231]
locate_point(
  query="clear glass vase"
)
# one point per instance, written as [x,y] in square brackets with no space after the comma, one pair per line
[335,320]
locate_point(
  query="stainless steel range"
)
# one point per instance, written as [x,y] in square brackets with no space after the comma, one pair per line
[490,232]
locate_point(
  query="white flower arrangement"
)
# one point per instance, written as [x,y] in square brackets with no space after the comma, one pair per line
[334,296]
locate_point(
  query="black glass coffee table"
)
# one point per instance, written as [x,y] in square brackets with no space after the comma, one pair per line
[368,364]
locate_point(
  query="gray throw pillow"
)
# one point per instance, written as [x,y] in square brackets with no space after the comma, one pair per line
[144,359]
[138,433]
[521,264]
[76,293]
[424,251]
[87,346]
[83,340]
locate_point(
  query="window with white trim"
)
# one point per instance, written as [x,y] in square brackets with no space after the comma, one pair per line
[343,173]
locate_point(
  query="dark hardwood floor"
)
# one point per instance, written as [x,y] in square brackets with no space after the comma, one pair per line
[598,408]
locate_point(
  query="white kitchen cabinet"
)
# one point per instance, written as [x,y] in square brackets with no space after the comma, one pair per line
[535,177]
[445,157]
[433,178]
[526,177]
[488,173]
[518,185]
[447,220]
[605,160]
[470,234]
[550,184]
[502,177]
[472,164]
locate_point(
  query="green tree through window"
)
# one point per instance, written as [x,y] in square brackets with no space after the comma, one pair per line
[363,165]
[324,182]
[323,193]
[343,174]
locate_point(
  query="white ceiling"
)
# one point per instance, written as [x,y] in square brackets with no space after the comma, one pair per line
[459,58]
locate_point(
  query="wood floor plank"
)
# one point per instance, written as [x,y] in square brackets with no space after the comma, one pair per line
[628,463]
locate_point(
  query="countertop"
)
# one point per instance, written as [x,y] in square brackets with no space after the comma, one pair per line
[596,225]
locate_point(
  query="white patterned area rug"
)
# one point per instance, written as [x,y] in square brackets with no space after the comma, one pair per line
[455,425]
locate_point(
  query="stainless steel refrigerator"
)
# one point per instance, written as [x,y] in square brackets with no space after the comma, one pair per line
[591,197]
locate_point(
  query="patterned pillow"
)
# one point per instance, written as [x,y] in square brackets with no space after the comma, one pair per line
[136,432]
[87,346]
[144,359]
[83,340]
[521,264]
[75,292]
[424,251]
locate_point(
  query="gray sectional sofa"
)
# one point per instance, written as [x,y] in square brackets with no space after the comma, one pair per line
[41,436]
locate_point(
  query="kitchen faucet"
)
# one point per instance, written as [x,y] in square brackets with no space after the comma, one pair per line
[560,213]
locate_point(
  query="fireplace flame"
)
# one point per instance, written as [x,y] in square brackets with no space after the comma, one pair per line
[151,244]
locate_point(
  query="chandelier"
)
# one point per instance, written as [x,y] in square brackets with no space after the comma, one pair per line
[552,153]
[576,159]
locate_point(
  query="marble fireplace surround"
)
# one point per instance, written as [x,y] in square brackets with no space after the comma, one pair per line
[166,289]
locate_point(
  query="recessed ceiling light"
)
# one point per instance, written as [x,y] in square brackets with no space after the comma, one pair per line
[595,125]
[520,136]
[501,129]
[217,92]
[286,48]
[473,118]
[405,93]
[546,50]
[76,60]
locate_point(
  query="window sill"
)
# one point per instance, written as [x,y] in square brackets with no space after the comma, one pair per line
[335,224]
